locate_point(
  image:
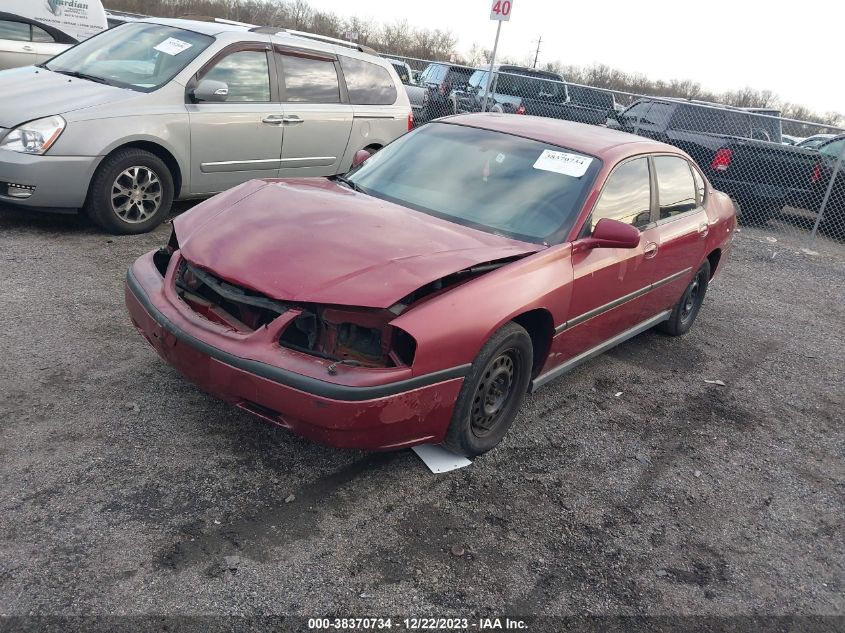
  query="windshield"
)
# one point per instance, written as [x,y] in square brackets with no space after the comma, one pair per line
[499,183]
[139,56]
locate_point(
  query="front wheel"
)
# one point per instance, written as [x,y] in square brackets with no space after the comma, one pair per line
[684,313]
[492,393]
[131,192]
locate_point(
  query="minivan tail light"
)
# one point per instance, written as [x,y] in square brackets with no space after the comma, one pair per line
[817,174]
[410,120]
[722,160]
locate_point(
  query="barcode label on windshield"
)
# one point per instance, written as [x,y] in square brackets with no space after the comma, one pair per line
[172,46]
[574,165]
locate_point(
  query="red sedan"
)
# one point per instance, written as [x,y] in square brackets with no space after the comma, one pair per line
[421,296]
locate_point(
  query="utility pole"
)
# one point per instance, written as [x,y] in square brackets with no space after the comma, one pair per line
[537,53]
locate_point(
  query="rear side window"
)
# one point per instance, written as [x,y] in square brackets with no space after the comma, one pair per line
[626,195]
[15,31]
[310,80]
[41,36]
[460,75]
[366,83]
[478,78]
[676,189]
[402,71]
[247,75]
[834,148]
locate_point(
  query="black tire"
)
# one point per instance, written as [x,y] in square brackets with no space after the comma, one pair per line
[151,186]
[492,393]
[684,313]
[757,211]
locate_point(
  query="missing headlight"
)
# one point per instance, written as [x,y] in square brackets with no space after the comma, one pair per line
[348,334]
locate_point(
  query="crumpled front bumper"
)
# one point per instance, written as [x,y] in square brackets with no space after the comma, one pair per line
[375,416]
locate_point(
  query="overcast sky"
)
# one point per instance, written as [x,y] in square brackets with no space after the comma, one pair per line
[794,52]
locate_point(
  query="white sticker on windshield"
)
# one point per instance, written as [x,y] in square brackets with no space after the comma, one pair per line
[171,46]
[574,165]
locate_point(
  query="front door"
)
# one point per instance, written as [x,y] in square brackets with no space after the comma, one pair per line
[610,285]
[241,138]
[317,124]
[45,45]
[682,228]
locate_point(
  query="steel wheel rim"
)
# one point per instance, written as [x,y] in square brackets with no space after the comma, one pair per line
[494,393]
[136,194]
[691,297]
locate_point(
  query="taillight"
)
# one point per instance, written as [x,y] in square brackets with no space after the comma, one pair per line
[410,120]
[443,88]
[817,174]
[722,159]
[520,109]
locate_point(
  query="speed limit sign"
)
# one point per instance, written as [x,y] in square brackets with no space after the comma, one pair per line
[501,10]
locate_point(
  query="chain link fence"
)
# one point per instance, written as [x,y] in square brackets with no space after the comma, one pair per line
[786,176]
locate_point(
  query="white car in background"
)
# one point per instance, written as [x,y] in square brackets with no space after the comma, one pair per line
[25,42]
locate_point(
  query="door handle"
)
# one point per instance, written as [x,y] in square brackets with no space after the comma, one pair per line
[273,119]
[28,48]
[703,229]
[650,250]
[292,120]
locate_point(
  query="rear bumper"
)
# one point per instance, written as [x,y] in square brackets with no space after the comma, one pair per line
[375,417]
[58,183]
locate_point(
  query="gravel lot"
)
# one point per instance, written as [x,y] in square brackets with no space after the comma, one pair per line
[126,490]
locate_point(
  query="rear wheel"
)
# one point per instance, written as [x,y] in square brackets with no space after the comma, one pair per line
[684,313]
[492,393]
[131,192]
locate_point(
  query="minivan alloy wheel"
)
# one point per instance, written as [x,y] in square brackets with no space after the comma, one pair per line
[136,194]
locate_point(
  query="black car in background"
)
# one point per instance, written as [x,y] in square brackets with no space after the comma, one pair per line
[739,150]
[520,90]
[829,152]
[430,97]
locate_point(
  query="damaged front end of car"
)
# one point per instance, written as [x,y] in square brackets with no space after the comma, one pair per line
[362,337]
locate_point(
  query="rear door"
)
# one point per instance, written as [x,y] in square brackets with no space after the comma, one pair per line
[45,45]
[678,244]
[317,118]
[16,48]
[241,138]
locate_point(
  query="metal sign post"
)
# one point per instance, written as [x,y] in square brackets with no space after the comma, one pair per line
[501,12]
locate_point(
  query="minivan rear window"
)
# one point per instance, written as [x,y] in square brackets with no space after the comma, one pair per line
[366,83]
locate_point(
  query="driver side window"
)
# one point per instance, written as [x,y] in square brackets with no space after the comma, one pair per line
[626,196]
[247,75]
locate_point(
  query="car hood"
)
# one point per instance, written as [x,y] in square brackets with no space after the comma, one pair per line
[314,241]
[39,93]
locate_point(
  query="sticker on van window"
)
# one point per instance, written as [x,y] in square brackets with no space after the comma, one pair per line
[574,165]
[171,46]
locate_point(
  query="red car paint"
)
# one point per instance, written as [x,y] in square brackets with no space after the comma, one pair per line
[292,241]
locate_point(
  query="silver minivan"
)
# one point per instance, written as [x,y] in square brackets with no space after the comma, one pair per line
[156,110]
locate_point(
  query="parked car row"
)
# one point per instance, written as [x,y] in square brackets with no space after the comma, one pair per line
[445,89]
[156,110]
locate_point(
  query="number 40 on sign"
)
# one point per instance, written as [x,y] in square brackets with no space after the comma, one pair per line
[501,10]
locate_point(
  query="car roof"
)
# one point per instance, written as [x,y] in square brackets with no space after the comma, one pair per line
[200,26]
[590,139]
[235,30]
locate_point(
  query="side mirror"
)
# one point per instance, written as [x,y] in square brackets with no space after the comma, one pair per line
[211,91]
[360,156]
[610,234]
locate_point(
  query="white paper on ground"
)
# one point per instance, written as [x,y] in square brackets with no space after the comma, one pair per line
[439,459]
[565,163]
[171,46]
